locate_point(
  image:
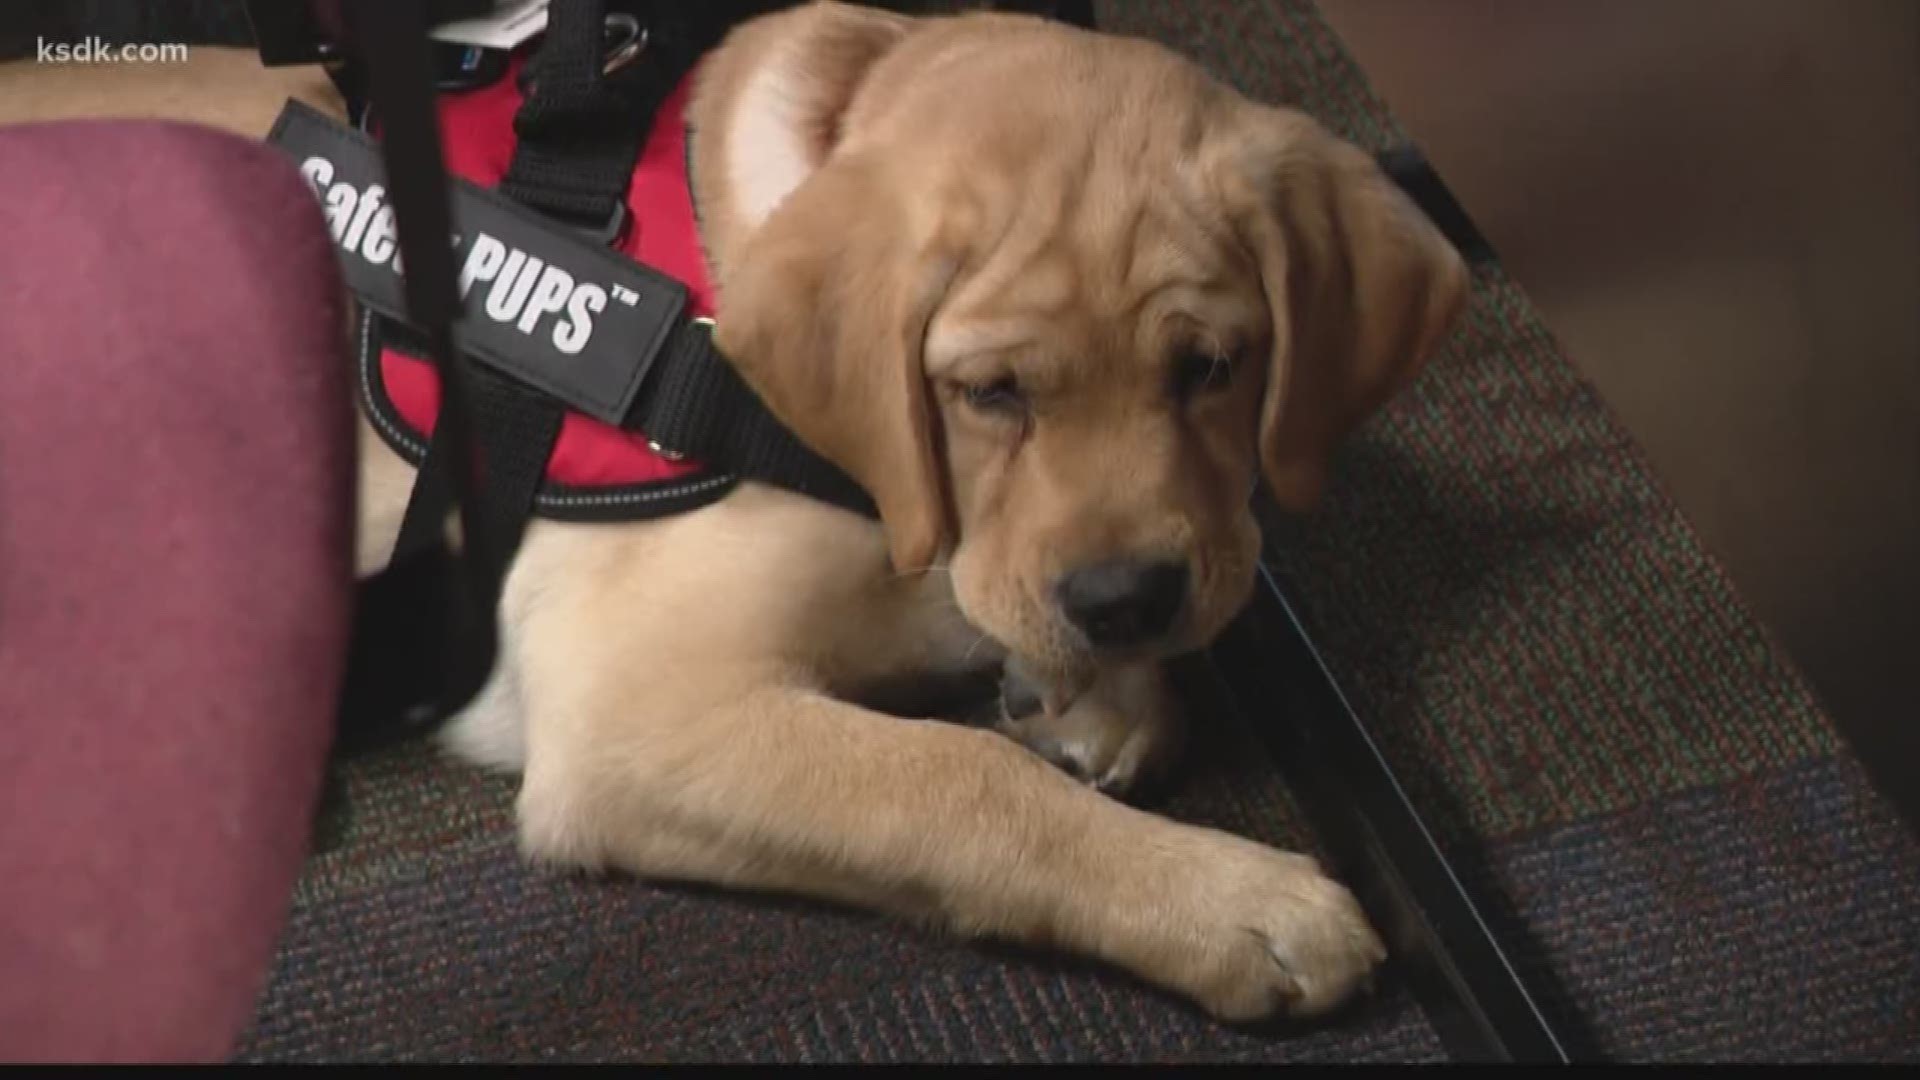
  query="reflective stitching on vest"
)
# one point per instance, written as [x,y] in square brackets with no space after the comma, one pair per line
[635,498]
[367,360]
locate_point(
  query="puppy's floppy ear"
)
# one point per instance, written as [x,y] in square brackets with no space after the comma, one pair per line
[824,312]
[1360,287]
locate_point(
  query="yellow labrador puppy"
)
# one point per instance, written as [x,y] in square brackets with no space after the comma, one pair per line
[1059,301]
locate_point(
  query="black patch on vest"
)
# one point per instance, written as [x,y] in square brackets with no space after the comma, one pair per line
[567,317]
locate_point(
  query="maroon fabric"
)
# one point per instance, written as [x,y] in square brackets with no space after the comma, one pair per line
[175,577]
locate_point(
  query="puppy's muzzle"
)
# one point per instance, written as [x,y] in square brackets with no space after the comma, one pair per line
[1124,603]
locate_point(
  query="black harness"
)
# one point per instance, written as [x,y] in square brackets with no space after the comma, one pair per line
[424,639]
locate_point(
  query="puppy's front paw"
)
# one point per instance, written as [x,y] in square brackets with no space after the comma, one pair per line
[1121,734]
[1252,933]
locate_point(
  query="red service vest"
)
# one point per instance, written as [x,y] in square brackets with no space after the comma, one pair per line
[596,470]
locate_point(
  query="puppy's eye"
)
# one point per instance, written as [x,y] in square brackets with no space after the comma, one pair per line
[1200,373]
[1002,397]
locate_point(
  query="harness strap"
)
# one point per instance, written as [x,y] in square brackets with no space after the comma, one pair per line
[695,403]
[424,637]
[578,133]
[516,428]
[581,126]
[577,136]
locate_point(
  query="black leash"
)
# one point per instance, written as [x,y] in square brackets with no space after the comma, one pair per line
[578,132]
[493,435]
[425,635]
[424,638]
[592,92]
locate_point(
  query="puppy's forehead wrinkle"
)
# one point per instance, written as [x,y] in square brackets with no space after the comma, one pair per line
[1056,197]
[1021,268]
[1092,218]
[953,340]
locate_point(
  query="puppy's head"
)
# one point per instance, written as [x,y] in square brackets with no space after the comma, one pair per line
[1060,301]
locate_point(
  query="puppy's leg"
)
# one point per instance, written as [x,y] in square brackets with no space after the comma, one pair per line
[1122,733]
[675,734]
[783,788]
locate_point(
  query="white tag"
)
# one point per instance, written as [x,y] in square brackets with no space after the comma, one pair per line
[512,22]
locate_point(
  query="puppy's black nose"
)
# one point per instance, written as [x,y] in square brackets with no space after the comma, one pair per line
[1123,602]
